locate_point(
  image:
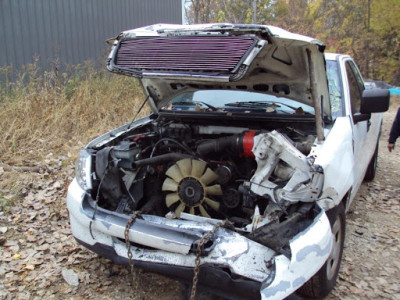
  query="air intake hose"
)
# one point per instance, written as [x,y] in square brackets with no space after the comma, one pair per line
[241,144]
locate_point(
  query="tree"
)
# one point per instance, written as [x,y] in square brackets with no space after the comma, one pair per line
[202,11]
[368,30]
[385,40]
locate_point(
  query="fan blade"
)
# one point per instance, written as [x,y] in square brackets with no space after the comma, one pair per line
[198,168]
[185,165]
[213,190]
[203,212]
[208,177]
[174,173]
[180,209]
[191,211]
[170,185]
[171,199]
[211,203]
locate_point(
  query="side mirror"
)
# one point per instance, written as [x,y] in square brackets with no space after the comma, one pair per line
[375,101]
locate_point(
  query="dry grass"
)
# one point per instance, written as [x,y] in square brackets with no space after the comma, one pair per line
[60,113]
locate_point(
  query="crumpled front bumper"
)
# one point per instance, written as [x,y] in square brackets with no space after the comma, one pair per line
[168,245]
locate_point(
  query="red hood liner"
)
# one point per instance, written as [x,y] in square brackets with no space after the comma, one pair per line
[184,54]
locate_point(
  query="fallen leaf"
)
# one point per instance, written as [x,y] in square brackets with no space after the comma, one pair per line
[355,290]
[30,267]
[70,277]
[44,247]
[57,185]
[11,243]
[381,280]
[23,275]
[31,238]
[16,256]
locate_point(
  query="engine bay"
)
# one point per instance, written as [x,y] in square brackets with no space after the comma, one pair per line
[175,169]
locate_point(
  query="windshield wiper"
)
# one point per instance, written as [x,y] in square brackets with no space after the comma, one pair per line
[213,108]
[263,104]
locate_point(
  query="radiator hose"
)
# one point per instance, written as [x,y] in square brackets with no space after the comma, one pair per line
[241,144]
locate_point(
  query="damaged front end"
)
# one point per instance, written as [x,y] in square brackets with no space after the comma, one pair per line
[237,112]
[187,178]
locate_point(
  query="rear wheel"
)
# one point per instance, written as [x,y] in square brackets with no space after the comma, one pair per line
[371,170]
[322,283]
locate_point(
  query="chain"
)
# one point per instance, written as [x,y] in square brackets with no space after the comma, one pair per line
[198,254]
[128,244]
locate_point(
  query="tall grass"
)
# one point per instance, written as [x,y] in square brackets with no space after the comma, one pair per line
[43,112]
[56,112]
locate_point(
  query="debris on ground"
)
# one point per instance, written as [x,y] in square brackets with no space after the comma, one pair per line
[39,258]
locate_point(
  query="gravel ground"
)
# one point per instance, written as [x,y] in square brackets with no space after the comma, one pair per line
[40,259]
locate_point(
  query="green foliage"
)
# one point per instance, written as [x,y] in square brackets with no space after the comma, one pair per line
[368,30]
[71,85]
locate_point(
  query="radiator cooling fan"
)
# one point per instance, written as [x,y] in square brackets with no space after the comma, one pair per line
[189,183]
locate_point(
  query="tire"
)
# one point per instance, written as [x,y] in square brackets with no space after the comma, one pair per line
[371,170]
[322,283]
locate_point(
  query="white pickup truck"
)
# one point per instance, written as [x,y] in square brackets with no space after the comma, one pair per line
[240,177]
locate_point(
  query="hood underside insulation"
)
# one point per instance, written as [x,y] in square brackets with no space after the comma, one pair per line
[212,54]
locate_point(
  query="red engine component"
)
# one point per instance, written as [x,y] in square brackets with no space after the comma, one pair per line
[241,144]
[248,143]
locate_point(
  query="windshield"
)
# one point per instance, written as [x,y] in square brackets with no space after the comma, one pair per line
[223,100]
[335,88]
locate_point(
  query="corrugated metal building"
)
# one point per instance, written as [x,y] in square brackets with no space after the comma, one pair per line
[73,30]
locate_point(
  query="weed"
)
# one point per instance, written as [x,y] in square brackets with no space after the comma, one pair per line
[42,112]
[11,191]
[7,201]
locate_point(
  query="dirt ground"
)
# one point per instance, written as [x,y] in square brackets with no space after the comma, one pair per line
[38,254]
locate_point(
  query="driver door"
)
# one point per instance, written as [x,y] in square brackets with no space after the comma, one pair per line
[360,129]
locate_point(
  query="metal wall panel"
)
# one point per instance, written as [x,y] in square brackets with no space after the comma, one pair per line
[73,31]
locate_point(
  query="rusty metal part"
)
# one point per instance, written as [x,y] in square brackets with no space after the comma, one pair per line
[128,245]
[203,240]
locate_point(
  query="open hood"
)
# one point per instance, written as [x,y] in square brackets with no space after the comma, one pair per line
[171,59]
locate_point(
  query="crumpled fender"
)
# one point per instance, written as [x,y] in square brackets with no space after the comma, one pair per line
[310,250]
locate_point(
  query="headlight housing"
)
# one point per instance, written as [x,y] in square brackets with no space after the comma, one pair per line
[83,170]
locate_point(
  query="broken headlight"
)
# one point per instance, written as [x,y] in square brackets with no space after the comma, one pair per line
[83,172]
